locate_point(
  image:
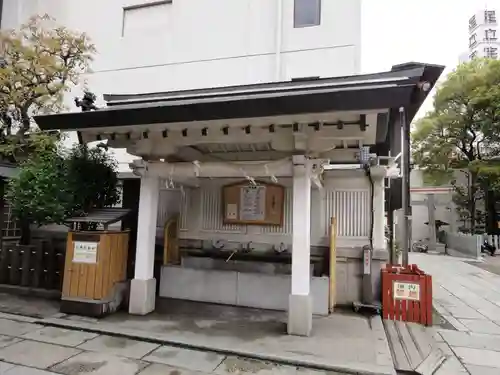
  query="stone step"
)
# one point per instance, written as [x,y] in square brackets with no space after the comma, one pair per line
[413,348]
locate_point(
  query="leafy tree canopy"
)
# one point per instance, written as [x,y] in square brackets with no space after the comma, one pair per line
[39,63]
[39,193]
[92,178]
[463,131]
[52,186]
[464,126]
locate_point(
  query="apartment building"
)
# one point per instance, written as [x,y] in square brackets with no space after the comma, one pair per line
[483,36]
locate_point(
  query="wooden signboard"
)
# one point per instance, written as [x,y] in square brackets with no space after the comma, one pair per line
[260,204]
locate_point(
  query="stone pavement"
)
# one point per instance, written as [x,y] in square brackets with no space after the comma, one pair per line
[342,342]
[25,305]
[468,297]
[489,263]
[31,349]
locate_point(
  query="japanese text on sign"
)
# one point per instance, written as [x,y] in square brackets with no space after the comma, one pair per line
[406,291]
[253,203]
[85,252]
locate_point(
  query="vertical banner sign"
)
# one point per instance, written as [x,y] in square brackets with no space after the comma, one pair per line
[367,262]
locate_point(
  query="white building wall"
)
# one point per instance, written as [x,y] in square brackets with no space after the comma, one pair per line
[445,208]
[191,44]
[347,199]
[188,44]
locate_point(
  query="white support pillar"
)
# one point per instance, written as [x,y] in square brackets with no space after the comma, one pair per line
[143,286]
[300,301]
[379,214]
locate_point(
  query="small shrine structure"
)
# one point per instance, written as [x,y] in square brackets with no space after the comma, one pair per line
[239,186]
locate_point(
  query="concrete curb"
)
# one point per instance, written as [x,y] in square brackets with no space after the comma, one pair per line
[383,348]
[19,318]
[162,339]
[53,295]
[451,319]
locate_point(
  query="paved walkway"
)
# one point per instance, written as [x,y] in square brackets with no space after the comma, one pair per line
[489,263]
[340,342]
[469,298]
[344,342]
[31,349]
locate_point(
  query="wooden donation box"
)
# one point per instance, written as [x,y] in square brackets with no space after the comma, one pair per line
[260,203]
[95,271]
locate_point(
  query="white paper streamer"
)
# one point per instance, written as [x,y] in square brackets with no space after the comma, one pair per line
[197,168]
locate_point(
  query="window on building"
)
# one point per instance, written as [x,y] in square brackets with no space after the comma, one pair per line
[491,52]
[490,16]
[472,40]
[472,22]
[473,55]
[490,35]
[307,13]
[145,18]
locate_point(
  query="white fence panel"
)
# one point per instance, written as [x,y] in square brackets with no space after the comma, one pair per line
[352,210]
[493,240]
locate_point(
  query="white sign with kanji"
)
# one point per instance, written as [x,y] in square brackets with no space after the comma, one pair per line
[406,291]
[85,252]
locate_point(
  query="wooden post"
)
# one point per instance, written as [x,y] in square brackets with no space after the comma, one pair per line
[26,252]
[51,264]
[4,263]
[15,265]
[170,242]
[38,273]
[333,264]
[166,242]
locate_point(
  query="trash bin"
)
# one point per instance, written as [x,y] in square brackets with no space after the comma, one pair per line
[407,294]
[95,272]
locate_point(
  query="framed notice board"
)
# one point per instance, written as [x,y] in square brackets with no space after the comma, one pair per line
[260,204]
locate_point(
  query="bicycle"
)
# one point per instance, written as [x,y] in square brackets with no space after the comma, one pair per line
[420,247]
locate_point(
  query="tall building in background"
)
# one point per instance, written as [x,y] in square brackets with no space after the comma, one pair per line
[483,36]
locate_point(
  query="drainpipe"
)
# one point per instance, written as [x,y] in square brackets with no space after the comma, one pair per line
[405,174]
[279,37]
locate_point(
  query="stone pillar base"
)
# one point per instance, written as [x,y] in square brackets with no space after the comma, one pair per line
[299,315]
[142,296]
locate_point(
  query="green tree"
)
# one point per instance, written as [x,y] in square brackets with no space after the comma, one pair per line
[463,133]
[39,63]
[52,186]
[93,178]
[39,194]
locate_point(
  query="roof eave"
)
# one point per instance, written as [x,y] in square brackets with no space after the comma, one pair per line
[193,105]
[412,72]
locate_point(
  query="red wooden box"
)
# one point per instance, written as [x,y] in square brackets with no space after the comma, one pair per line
[407,294]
